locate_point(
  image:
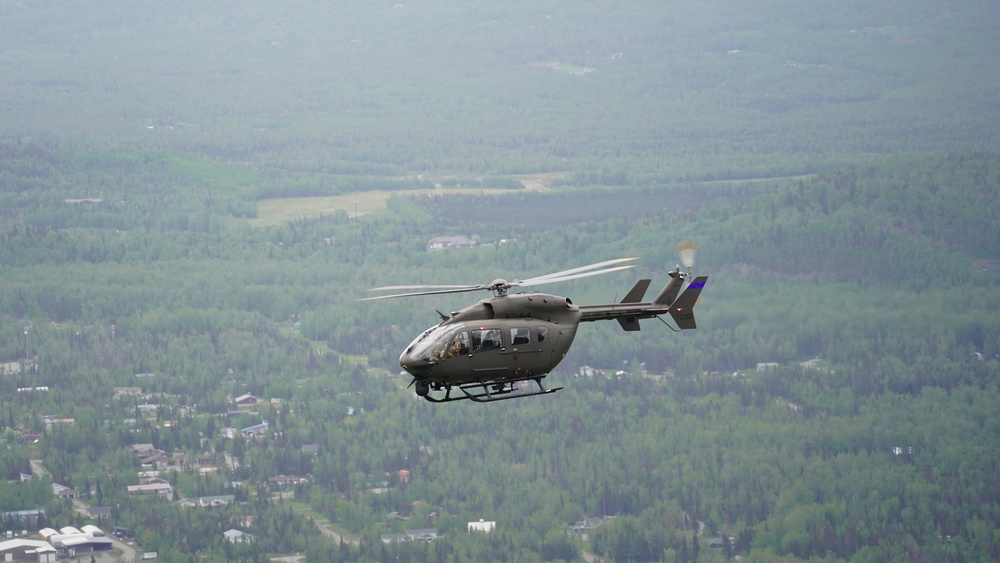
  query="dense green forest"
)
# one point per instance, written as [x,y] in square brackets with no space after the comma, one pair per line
[865,268]
[839,167]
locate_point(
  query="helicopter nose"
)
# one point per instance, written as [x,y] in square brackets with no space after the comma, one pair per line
[417,367]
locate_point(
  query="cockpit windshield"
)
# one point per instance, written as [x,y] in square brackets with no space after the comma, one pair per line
[442,341]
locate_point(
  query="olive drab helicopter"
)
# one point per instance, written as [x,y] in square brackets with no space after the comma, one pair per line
[494,349]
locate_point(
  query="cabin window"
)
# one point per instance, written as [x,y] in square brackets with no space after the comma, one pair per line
[519,335]
[543,331]
[486,339]
[459,346]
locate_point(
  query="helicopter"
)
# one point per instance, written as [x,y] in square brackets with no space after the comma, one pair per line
[493,350]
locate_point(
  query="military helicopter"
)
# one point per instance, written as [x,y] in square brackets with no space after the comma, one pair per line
[486,351]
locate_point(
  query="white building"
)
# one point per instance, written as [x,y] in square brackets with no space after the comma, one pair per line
[28,550]
[482,526]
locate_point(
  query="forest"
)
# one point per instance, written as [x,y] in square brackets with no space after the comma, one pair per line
[838,167]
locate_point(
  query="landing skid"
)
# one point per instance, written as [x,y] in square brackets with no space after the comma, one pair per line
[487,392]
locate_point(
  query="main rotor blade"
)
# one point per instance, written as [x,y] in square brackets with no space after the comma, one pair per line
[399,287]
[574,273]
[456,289]
[543,280]
[564,273]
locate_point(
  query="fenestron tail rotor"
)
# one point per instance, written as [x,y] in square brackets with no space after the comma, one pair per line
[500,286]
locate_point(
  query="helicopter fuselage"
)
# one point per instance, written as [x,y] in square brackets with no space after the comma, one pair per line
[508,337]
[486,351]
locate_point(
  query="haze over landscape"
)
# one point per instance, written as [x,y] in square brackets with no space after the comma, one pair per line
[194,197]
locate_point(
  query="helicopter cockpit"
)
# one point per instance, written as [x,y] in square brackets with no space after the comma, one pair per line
[436,344]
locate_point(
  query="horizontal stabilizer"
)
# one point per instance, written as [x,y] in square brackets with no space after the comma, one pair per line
[629,323]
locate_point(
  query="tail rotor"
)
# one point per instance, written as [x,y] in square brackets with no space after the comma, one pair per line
[686,251]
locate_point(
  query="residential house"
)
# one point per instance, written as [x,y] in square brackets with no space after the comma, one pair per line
[245,400]
[282,481]
[255,430]
[99,512]
[62,491]
[425,534]
[217,500]
[482,526]
[179,458]
[127,391]
[28,436]
[582,526]
[154,459]
[237,536]
[151,489]
[442,243]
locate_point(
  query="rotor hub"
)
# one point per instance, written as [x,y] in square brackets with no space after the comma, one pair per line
[499,286]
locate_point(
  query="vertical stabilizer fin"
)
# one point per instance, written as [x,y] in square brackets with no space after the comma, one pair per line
[682,310]
[637,292]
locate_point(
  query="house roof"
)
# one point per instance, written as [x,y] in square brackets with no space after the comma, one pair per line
[37,545]
[20,513]
[422,533]
[233,534]
[255,427]
[450,242]
[152,488]
[73,540]
[219,498]
[92,530]
[482,526]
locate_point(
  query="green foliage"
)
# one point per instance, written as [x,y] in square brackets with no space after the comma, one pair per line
[884,442]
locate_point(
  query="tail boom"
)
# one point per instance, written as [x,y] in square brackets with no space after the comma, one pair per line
[628,313]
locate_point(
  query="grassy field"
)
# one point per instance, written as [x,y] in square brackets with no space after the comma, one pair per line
[282,210]
[277,211]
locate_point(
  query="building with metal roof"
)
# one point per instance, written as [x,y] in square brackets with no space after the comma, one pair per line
[28,550]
